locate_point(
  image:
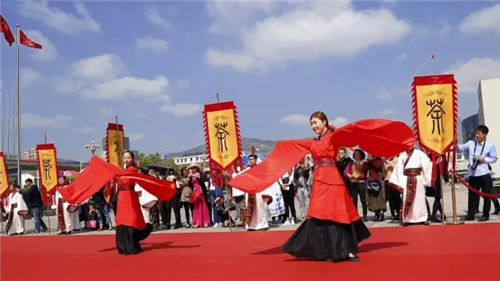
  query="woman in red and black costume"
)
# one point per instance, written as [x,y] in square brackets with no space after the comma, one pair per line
[130,225]
[333,227]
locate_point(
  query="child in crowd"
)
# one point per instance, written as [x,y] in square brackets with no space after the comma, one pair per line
[91,223]
[222,211]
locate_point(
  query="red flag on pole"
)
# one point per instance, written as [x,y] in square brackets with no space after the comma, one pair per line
[7,33]
[24,40]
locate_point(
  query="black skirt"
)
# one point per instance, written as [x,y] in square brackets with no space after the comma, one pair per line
[326,240]
[128,238]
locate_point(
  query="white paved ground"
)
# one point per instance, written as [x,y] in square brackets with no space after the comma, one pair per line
[461,209]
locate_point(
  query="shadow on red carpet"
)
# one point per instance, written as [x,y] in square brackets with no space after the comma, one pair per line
[463,252]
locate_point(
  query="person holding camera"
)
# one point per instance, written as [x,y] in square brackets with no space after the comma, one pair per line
[481,153]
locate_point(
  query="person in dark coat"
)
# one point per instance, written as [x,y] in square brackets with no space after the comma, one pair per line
[343,161]
[103,210]
[35,204]
[436,190]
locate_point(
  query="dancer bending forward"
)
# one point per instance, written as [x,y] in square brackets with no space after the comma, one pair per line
[130,225]
[333,227]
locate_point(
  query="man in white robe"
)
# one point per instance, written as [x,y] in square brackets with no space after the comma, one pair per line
[255,215]
[70,215]
[413,172]
[16,209]
[147,201]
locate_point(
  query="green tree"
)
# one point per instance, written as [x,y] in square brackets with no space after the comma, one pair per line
[147,159]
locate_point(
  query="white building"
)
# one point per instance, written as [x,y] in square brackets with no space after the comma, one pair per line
[30,153]
[189,158]
[489,113]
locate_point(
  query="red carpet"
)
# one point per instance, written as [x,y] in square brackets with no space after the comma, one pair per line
[464,252]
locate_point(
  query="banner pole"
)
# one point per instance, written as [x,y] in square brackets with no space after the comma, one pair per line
[453,181]
[48,212]
[443,216]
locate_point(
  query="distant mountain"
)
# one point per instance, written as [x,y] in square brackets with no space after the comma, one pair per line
[262,146]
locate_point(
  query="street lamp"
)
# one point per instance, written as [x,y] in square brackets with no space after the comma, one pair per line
[92,147]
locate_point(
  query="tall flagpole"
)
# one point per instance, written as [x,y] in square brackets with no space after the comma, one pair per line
[18,109]
[2,119]
[7,122]
[13,101]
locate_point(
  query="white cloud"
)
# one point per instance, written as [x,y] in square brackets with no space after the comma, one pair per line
[338,121]
[66,85]
[384,94]
[229,17]
[181,109]
[469,73]
[33,121]
[444,31]
[48,51]
[100,78]
[486,19]
[29,77]
[311,31]
[98,69]
[182,84]
[107,112]
[401,57]
[296,119]
[150,43]
[84,130]
[135,137]
[69,23]
[388,112]
[130,87]
[301,119]
[156,19]
[139,114]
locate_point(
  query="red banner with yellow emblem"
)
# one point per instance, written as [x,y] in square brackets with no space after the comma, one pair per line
[435,112]
[115,146]
[222,138]
[48,169]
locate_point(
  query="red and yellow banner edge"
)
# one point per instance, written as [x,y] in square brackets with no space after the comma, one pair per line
[214,164]
[2,156]
[427,81]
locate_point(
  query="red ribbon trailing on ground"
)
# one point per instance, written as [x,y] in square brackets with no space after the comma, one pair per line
[462,181]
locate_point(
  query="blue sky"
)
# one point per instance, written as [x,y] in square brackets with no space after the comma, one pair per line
[155,64]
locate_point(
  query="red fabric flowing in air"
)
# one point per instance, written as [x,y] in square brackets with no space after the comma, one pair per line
[5,29]
[99,173]
[380,137]
[26,41]
[330,198]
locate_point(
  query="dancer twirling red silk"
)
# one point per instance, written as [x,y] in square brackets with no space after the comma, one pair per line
[333,227]
[131,227]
